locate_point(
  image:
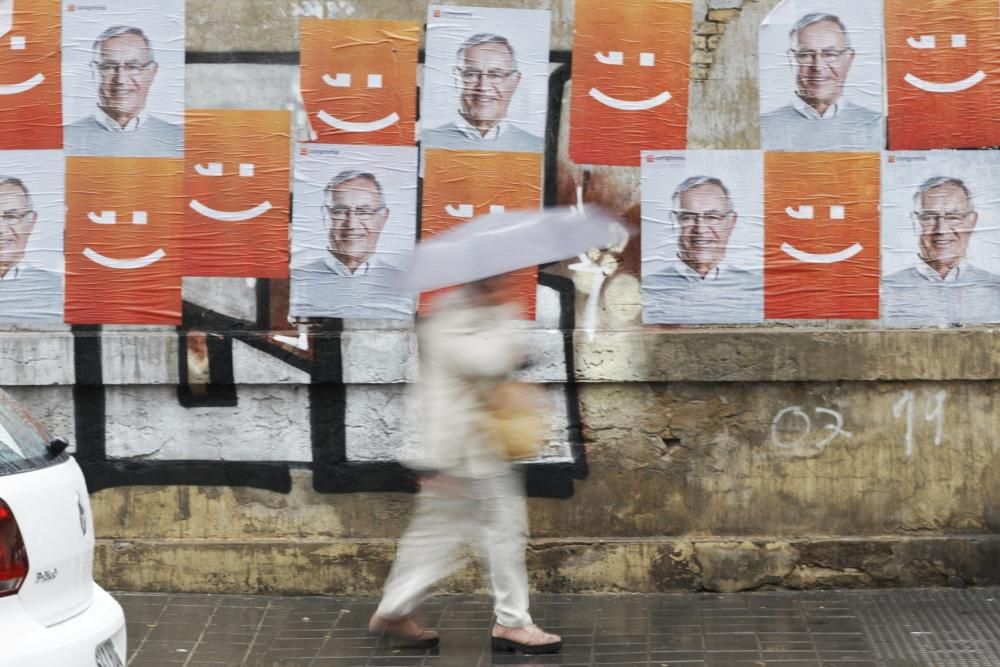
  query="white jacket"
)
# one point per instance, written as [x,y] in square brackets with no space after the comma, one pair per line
[464,350]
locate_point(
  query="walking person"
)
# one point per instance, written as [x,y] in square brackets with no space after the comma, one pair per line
[468,488]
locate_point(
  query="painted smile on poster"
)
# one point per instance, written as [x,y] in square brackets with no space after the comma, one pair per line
[359,80]
[630,88]
[111,218]
[958,41]
[804,212]
[123,240]
[216,170]
[343,80]
[821,241]
[943,61]
[617,58]
[236,184]
[30,85]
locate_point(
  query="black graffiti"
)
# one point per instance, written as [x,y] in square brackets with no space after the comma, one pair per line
[332,471]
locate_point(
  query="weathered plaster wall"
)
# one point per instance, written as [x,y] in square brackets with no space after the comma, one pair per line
[801,454]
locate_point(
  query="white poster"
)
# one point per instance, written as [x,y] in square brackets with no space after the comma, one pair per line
[702,237]
[32,218]
[353,230]
[940,237]
[485,79]
[821,76]
[123,78]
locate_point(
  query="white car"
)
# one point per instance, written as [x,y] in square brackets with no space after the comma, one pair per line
[52,614]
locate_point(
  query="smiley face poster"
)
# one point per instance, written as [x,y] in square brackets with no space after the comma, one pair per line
[459,186]
[123,240]
[31,83]
[359,80]
[943,72]
[630,79]
[821,236]
[236,179]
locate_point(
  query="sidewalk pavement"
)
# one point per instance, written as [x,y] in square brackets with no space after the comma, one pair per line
[920,627]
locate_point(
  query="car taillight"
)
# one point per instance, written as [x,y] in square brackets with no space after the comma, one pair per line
[13,556]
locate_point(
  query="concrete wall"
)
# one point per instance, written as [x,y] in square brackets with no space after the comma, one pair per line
[224,456]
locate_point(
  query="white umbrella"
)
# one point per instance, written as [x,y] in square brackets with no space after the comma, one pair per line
[501,242]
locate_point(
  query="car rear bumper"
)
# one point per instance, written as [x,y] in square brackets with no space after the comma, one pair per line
[71,643]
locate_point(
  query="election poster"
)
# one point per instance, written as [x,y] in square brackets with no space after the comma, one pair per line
[353,231]
[485,83]
[702,237]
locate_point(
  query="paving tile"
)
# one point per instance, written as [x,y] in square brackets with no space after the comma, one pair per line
[785,629]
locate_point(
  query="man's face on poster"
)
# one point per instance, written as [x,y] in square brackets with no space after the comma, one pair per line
[356,215]
[945,221]
[16,221]
[822,59]
[125,74]
[705,224]
[488,78]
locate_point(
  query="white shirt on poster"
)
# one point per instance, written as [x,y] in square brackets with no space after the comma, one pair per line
[933,276]
[340,269]
[111,125]
[466,128]
[809,112]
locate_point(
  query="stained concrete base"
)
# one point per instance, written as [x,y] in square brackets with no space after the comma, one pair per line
[359,567]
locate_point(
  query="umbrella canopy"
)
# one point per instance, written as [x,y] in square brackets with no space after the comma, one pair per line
[503,242]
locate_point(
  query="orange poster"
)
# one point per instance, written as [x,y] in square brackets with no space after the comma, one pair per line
[459,186]
[236,180]
[30,78]
[123,227]
[359,80]
[943,65]
[821,235]
[631,62]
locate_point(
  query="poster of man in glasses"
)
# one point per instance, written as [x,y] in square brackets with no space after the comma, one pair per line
[485,79]
[702,237]
[123,74]
[940,239]
[353,231]
[32,216]
[821,82]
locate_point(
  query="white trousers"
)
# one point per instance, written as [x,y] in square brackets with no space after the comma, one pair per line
[449,514]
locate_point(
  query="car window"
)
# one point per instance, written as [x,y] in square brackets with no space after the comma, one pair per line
[23,441]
